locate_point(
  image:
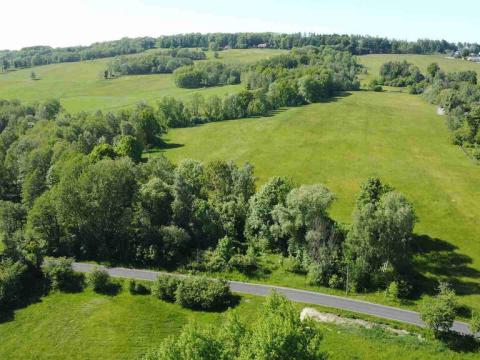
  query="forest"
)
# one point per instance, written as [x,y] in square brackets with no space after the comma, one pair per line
[355,44]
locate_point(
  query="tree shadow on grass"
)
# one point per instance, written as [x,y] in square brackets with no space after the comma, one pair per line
[460,343]
[32,295]
[232,302]
[111,289]
[439,257]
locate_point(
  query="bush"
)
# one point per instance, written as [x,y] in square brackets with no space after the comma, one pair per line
[439,313]
[335,282]
[475,323]
[203,294]
[377,88]
[99,280]
[243,263]
[136,288]
[165,287]
[294,265]
[13,277]
[59,273]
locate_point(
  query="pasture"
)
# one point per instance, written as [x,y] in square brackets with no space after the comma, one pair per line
[80,86]
[396,136]
[374,62]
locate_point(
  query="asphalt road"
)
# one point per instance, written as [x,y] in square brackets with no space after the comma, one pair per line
[303,296]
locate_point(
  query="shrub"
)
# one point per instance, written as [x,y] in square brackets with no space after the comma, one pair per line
[335,282]
[294,265]
[203,294]
[243,263]
[59,273]
[475,323]
[136,288]
[13,276]
[99,280]
[165,287]
[377,88]
[439,313]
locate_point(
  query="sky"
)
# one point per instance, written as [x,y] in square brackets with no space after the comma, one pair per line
[81,22]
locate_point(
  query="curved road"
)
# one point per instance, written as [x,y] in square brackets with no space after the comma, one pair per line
[303,296]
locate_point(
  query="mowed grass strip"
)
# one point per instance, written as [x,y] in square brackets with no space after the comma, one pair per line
[395,136]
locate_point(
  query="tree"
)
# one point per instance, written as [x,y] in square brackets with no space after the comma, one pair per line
[433,69]
[102,151]
[127,145]
[380,236]
[260,218]
[59,272]
[13,282]
[147,125]
[439,312]
[33,76]
[278,333]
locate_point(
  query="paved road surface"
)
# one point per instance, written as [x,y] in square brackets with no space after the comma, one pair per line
[303,296]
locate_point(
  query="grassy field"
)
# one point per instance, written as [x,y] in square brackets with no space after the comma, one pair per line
[374,62]
[395,136]
[80,86]
[90,326]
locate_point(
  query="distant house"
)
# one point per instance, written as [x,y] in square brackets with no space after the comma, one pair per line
[262,46]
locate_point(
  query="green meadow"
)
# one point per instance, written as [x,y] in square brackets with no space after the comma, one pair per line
[80,85]
[85,325]
[374,62]
[396,136]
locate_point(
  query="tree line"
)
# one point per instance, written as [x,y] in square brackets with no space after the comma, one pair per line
[355,44]
[154,62]
[457,93]
[204,74]
[304,76]
[44,55]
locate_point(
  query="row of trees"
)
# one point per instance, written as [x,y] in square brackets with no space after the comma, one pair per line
[156,62]
[355,44]
[457,93]
[205,74]
[304,76]
[43,55]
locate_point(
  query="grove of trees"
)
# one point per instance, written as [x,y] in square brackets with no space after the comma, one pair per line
[154,62]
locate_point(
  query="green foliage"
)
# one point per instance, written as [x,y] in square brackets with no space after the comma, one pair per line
[260,219]
[137,288]
[127,145]
[203,74]
[203,294]
[381,233]
[158,62]
[475,323]
[102,151]
[59,273]
[396,73]
[99,280]
[439,313]
[277,334]
[165,287]
[13,283]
